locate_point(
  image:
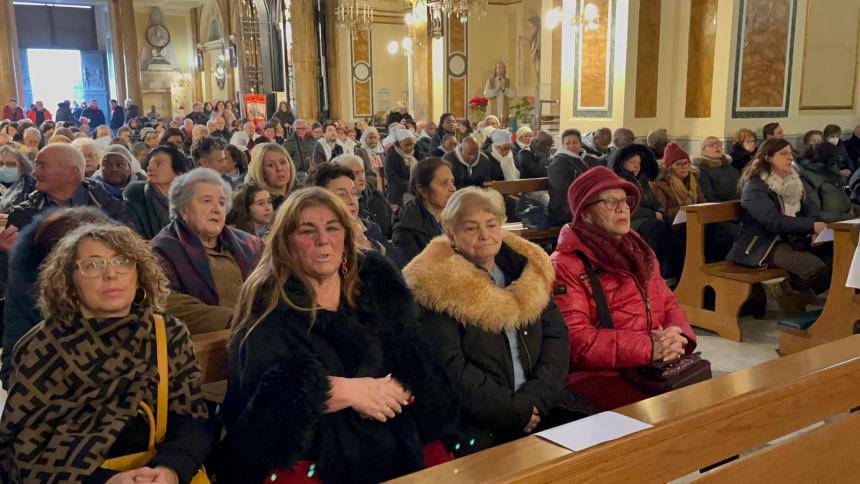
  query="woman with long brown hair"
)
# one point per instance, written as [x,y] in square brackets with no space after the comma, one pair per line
[323,351]
[778,223]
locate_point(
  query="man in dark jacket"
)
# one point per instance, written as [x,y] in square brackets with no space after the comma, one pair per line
[471,167]
[94,114]
[197,115]
[300,145]
[569,161]
[852,146]
[64,114]
[131,110]
[533,162]
[60,182]
[12,111]
[117,116]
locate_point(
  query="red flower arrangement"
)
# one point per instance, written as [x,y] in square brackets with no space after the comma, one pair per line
[478,103]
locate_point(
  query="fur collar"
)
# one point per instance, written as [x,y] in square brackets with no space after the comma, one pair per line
[475,300]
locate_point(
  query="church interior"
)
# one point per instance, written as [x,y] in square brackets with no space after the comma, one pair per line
[727,131]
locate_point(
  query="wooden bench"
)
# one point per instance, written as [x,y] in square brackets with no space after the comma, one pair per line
[211,351]
[516,188]
[706,423]
[842,309]
[731,283]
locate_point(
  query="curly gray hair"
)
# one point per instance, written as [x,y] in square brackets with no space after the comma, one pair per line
[182,189]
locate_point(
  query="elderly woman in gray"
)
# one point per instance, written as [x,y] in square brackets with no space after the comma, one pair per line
[205,260]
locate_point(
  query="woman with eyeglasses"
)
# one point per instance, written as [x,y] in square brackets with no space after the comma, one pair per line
[372,204]
[86,388]
[647,325]
[341,181]
[676,186]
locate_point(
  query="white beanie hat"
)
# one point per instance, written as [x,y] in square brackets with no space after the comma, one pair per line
[501,137]
[402,134]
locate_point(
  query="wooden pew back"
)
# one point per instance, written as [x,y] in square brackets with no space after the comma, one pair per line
[516,187]
[697,426]
[211,351]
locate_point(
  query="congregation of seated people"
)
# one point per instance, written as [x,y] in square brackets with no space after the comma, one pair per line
[381,319]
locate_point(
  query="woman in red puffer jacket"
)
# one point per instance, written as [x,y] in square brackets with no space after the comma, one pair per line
[647,323]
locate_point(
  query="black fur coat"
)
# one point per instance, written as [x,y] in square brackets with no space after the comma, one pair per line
[278,386]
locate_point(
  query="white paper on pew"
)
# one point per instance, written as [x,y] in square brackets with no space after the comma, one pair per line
[854,270]
[593,430]
[826,235]
[680,217]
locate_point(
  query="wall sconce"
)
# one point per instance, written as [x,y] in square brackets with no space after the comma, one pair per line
[588,19]
[404,46]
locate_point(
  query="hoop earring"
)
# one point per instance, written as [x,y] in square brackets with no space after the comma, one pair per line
[142,299]
[343,268]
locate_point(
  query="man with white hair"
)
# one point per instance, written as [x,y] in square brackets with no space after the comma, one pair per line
[60,182]
[103,136]
[91,154]
[244,139]
[500,151]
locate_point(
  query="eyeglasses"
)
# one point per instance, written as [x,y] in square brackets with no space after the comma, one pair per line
[612,203]
[96,266]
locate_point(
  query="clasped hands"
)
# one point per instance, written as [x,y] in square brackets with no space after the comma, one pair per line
[374,398]
[669,344]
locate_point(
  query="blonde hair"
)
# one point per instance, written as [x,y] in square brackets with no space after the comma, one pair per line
[742,134]
[264,287]
[57,295]
[468,200]
[255,168]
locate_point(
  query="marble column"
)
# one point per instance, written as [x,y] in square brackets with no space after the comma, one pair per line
[117,50]
[11,76]
[128,38]
[422,75]
[335,110]
[305,58]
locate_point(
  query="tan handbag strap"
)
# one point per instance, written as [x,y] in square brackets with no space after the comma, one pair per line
[163,379]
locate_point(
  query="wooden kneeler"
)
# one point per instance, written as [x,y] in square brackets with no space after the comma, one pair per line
[842,309]
[731,283]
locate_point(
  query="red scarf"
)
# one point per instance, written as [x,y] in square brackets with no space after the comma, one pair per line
[630,254]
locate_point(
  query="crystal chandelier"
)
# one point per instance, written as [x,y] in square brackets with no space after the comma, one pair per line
[354,17]
[462,9]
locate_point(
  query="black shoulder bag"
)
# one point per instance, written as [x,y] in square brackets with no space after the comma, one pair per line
[660,376]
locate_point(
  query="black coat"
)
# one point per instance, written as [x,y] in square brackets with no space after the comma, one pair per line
[484,170]
[467,315]
[148,208]
[852,147]
[562,171]
[740,157]
[717,183]
[198,117]
[762,221]
[117,118]
[278,386]
[286,118]
[64,114]
[436,141]
[531,165]
[648,203]
[396,177]
[373,206]
[37,202]
[415,228]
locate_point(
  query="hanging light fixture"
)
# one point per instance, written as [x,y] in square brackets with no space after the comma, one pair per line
[355,17]
[460,9]
[589,19]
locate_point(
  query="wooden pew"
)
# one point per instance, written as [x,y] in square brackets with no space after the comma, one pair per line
[731,283]
[703,424]
[842,309]
[516,188]
[211,351]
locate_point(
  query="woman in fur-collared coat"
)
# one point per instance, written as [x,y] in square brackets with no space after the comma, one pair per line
[485,300]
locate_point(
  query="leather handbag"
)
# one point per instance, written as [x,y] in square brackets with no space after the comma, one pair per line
[659,376]
[157,423]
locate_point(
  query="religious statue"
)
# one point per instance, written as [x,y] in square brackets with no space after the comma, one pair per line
[499,91]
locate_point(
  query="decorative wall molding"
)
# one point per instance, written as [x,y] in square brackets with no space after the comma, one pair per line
[456,67]
[830,75]
[361,58]
[592,92]
[764,57]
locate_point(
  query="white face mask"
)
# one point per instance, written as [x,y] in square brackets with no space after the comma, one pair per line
[834,140]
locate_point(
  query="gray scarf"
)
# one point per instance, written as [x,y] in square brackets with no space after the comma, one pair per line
[789,188]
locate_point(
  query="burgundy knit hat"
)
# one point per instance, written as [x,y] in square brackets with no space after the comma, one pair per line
[593,182]
[674,153]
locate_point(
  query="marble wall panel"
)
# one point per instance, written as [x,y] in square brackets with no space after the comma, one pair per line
[457,57]
[700,58]
[764,59]
[648,58]
[594,66]
[362,78]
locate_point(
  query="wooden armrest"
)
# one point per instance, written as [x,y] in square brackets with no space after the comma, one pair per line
[709,213]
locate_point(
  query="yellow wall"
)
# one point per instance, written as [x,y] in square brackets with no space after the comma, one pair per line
[180,37]
[390,72]
[673,72]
